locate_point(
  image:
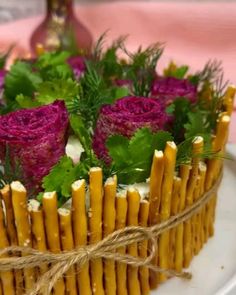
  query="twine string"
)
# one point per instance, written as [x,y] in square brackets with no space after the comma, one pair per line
[63,261]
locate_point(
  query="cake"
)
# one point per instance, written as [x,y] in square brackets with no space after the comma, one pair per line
[98,149]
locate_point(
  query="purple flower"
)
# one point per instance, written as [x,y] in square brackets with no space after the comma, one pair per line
[35,139]
[124,83]
[124,117]
[78,65]
[168,89]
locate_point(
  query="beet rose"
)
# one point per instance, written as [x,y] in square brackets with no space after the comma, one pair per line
[124,117]
[78,65]
[168,89]
[35,139]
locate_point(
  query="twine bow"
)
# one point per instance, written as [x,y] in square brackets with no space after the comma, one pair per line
[62,262]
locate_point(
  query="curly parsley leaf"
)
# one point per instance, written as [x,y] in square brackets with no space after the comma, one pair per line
[49,91]
[26,102]
[132,158]
[21,80]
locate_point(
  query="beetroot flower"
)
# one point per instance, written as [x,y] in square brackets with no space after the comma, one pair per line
[124,117]
[35,139]
[170,88]
[78,65]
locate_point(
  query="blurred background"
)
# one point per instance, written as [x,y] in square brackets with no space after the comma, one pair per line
[16,9]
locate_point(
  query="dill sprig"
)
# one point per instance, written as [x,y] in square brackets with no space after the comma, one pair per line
[141,67]
[211,71]
[185,152]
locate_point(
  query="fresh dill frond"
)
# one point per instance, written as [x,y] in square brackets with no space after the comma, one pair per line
[141,67]
[98,47]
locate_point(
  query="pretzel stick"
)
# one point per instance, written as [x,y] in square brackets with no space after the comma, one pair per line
[169,168]
[109,218]
[156,177]
[188,246]
[121,213]
[7,277]
[200,239]
[174,210]
[179,254]
[11,232]
[213,168]
[228,99]
[52,232]
[67,245]
[19,202]
[38,230]
[80,230]
[95,226]
[133,198]
[143,248]
[10,221]
[195,219]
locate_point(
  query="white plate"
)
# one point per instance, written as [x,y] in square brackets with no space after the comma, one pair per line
[214,269]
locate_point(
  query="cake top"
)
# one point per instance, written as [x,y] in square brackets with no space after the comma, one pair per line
[64,113]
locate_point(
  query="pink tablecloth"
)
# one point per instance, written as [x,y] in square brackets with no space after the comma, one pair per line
[193,32]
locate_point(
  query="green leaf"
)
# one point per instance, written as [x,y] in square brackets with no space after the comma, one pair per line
[196,125]
[69,178]
[118,147]
[159,140]
[120,92]
[21,80]
[52,59]
[132,158]
[49,91]
[180,109]
[81,131]
[55,179]
[26,102]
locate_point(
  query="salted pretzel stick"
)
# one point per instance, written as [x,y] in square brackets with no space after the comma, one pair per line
[67,244]
[197,150]
[169,168]
[143,248]
[121,213]
[19,202]
[133,198]
[38,230]
[95,226]
[12,235]
[80,230]
[52,232]
[179,248]
[109,219]
[174,210]
[156,177]
[7,277]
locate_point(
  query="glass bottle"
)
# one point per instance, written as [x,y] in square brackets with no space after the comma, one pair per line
[60,29]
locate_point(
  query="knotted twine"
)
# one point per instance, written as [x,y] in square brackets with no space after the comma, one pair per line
[62,262]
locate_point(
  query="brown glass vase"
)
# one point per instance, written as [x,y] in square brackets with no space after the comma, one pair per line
[61,29]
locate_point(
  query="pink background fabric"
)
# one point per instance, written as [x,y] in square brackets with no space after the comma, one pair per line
[193,32]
